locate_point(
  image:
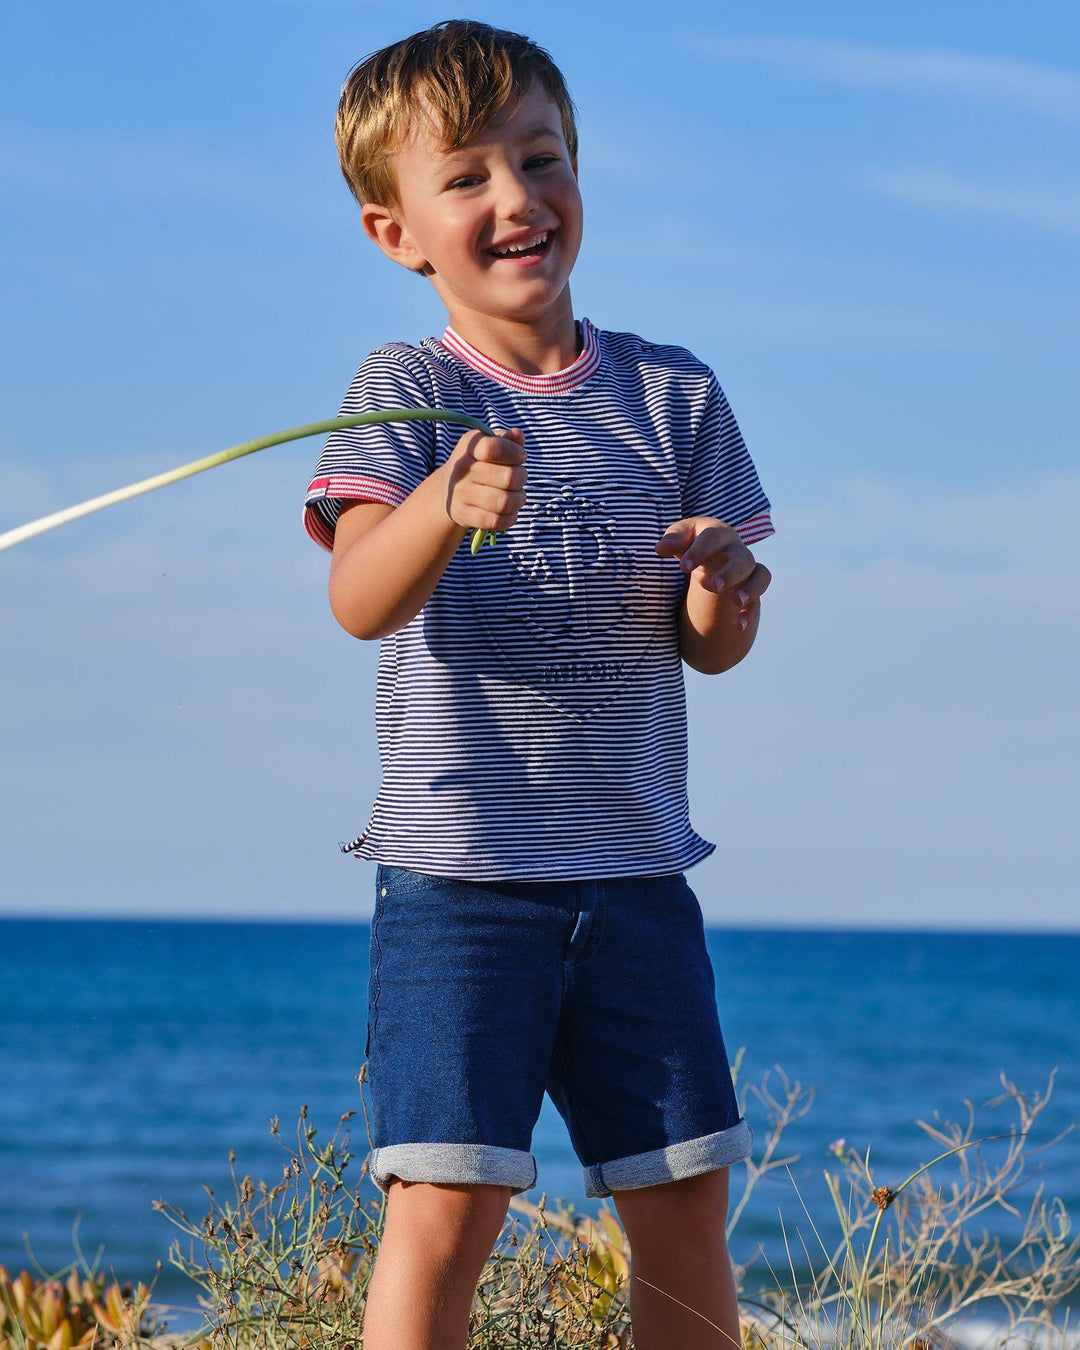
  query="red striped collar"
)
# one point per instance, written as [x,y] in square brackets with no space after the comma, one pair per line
[558,382]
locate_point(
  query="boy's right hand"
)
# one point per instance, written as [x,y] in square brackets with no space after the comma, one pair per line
[487,479]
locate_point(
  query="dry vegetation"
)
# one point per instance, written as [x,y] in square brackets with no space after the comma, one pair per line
[287,1265]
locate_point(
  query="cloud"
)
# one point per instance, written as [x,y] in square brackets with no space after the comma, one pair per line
[838,323]
[1038,88]
[186,718]
[904,735]
[994,549]
[132,163]
[801,298]
[165,165]
[938,189]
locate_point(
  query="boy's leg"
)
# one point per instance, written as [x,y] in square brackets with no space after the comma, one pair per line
[464,998]
[678,1245]
[435,1242]
[640,1074]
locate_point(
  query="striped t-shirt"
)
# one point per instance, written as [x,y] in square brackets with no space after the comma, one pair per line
[531,718]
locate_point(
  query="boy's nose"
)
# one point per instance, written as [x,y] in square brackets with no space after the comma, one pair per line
[516,196]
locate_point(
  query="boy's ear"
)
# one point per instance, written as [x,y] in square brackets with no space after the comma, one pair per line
[392,237]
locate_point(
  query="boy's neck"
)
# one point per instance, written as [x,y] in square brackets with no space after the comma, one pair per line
[539,346]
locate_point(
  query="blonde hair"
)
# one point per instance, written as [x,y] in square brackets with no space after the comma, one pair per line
[460,73]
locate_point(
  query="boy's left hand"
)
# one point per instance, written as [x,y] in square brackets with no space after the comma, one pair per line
[713,554]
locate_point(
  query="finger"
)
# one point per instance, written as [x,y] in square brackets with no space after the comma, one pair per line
[713,543]
[495,449]
[727,581]
[676,537]
[701,553]
[744,585]
[751,588]
[514,434]
[503,503]
[517,437]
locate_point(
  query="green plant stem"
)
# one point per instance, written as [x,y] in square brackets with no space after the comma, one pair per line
[860,1290]
[50,522]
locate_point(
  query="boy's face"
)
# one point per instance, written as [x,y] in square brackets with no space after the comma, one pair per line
[511,185]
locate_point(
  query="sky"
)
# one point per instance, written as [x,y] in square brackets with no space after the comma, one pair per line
[865,219]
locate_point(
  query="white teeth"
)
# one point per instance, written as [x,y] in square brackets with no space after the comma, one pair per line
[520,248]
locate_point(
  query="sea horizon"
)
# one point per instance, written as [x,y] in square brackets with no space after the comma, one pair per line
[136,1052]
[725,925]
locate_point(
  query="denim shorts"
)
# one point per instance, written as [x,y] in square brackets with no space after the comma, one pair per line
[485,994]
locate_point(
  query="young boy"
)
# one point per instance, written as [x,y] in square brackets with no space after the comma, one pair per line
[533,928]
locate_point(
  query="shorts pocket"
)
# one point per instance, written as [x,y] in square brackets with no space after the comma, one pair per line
[391,881]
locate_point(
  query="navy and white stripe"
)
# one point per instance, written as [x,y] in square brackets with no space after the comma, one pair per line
[531,719]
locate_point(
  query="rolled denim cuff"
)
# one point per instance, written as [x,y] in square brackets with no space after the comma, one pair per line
[463,1164]
[687,1159]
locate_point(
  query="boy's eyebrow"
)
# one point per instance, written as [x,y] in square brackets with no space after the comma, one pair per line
[541,129]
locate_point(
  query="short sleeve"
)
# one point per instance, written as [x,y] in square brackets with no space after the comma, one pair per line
[722,481]
[381,462]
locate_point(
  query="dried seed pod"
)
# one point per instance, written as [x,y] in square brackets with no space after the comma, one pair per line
[882,1196]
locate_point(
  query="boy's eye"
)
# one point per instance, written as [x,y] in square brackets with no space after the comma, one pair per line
[537,160]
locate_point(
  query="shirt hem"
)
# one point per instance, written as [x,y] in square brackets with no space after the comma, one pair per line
[584,869]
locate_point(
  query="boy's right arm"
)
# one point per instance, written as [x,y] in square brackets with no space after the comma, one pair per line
[387,560]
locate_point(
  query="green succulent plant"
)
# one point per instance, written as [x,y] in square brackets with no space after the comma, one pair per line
[70,1314]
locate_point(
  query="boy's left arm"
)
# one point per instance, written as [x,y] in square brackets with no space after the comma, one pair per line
[721,606]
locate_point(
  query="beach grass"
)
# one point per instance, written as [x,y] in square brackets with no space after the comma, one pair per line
[287,1265]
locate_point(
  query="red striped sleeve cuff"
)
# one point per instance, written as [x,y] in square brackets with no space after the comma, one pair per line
[349,486]
[755,529]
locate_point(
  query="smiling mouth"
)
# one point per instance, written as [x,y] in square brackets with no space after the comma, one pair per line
[535,251]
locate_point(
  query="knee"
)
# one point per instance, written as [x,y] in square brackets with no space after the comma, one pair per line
[450,1210]
[695,1207]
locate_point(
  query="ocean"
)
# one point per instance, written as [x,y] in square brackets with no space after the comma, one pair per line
[134,1054]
